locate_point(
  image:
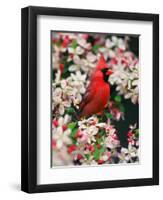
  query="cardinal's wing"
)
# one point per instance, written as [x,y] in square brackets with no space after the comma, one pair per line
[88,96]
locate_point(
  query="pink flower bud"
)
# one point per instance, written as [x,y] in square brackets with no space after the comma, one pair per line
[55,123]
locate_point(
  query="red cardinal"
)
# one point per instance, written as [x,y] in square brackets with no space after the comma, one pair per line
[98,91]
[100,65]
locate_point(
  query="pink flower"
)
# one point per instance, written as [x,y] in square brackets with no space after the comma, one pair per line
[109,155]
[79,156]
[129,134]
[61,67]
[90,148]
[55,123]
[72,148]
[85,36]
[100,161]
[64,127]
[66,41]
[53,144]
[83,136]
[113,61]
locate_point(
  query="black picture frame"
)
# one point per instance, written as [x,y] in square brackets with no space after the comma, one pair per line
[29,98]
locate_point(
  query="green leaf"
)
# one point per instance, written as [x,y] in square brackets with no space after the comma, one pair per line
[102,149]
[70,111]
[58,43]
[122,108]
[102,132]
[108,115]
[95,48]
[74,44]
[74,141]
[117,98]
[66,72]
[99,140]
[137,133]
[87,156]
[96,154]
[73,132]
[72,125]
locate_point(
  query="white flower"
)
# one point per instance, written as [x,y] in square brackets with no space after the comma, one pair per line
[105,157]
[90,127]
[89,63]
[68,91]
[91,131]
[61,157]
[107,52]
[85,64]
[83,42]
[119,42]
[132,151]
[123,155]
[77,64]
[132,127]
[58,101]
[55,58]
[101,125]
[61,135]
[77,82]
[78,78]
[126,79]
[57,77]
[91,57]
[76,51]
[87,122]
[111,140]
[109,43]
[89,161]
[127,154]
[62,138]
[64,120]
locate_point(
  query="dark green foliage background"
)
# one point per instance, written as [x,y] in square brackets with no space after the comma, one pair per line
[131,110]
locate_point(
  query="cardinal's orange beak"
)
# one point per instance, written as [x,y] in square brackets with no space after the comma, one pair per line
[109,72]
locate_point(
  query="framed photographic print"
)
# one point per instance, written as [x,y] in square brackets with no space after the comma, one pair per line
[90,99]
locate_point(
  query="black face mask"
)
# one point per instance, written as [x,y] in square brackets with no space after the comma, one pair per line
[106,76]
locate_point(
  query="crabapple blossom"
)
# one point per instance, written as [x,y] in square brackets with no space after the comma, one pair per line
[94,140]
